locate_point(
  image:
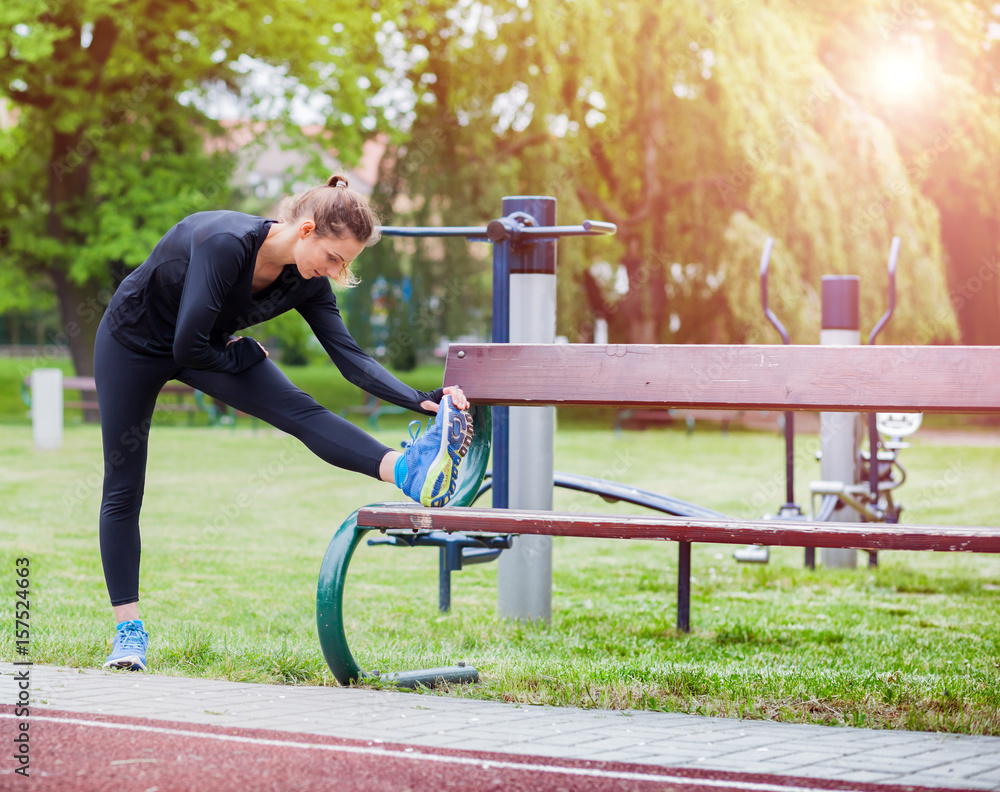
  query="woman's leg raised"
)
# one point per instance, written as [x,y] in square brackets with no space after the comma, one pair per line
[266,393]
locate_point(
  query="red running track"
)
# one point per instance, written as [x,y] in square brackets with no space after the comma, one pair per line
[73,752]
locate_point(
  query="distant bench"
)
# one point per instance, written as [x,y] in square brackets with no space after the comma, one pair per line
[644,419]
[863,379]
[180,397]
[374,408]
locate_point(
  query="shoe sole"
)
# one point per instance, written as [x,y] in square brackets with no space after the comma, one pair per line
[456,437]
[131,663]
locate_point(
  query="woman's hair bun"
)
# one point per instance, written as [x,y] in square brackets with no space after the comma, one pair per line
[337,180]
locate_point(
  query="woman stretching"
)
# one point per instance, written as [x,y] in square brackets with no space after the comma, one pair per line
[175,316]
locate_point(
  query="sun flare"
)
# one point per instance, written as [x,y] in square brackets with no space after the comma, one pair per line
[900,76]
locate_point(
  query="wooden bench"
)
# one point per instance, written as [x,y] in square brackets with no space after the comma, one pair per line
[180,397]
[863,379]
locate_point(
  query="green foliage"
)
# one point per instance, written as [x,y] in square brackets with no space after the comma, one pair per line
[290,337]
[110,140]
[703,129]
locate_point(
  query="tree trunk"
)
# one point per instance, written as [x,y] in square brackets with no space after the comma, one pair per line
[972,242]
[80,311]
[644,306]
[80,306]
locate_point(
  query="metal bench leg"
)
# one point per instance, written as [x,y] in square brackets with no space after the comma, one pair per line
[330,622]
[684,586]
[449,560]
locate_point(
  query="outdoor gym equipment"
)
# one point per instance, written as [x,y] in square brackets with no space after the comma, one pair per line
[722,377]
[850,487]
[524,298]
[524,311]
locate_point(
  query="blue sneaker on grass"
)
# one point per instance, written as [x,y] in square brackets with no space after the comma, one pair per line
[129,651]
[430,463]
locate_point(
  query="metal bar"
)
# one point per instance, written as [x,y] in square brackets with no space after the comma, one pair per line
[432,677]
[765,260]
[468,232]
[873,446]
[893,256]
[684,586]
[589,228]
[874,442]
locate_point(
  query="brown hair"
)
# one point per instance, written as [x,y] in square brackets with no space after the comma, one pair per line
[337,211]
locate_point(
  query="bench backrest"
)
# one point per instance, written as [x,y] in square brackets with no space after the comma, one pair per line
[945,379]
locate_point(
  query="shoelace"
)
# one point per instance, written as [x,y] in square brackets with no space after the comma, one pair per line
[131,638]
[415,434]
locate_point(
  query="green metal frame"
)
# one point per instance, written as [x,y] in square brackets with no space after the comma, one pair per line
[333,575]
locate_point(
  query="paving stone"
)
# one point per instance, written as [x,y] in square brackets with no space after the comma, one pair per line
[867,777]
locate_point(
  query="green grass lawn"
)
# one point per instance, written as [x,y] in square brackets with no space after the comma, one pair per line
[236,522]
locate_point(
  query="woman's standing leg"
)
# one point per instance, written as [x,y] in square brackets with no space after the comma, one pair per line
[127,387]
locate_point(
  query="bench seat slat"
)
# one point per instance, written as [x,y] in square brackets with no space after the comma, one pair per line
[866,536]
[724,377]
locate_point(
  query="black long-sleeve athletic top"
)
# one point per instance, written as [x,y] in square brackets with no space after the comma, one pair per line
[196,290]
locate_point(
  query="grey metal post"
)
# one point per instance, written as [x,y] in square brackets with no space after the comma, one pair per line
[524,574]
[840,433]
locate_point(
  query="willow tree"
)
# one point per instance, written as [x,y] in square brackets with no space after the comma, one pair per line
[931,72]
[700,129]
[108,111]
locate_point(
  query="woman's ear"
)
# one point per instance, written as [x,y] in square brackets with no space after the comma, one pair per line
[306,227]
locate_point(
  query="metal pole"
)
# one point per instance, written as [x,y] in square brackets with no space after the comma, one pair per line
[684,586]
[840,432]
[501,335]
[524,574]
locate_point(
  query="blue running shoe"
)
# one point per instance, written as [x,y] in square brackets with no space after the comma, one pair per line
[432,461]
[129,651]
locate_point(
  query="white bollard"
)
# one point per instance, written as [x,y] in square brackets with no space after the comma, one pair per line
[47,408]
[601,332]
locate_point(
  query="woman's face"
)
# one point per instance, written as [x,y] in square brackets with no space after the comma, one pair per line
[323,257]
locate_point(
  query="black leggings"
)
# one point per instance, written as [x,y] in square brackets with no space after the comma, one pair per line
[127,386]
